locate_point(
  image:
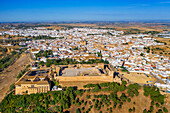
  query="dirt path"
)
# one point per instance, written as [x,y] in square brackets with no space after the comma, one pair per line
[9,75]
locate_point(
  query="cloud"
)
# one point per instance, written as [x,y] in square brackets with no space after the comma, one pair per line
[144,5]
[138,5]
[165,2]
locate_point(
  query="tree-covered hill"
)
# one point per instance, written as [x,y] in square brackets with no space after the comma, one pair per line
[98,98]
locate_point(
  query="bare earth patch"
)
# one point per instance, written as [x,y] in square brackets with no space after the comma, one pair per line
[9,75]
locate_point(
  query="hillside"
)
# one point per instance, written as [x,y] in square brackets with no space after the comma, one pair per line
[96,98]
[9,75]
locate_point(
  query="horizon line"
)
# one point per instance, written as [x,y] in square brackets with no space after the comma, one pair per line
[84,21]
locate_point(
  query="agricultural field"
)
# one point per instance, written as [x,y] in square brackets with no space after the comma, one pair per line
[163,50]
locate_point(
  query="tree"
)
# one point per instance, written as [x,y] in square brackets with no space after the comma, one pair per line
[129,100]
[130,110]
[151,108]
[41,63]
[57,108]
[123,97]
[96,89]
[136,92]
[141,54]
[152,103]
[99,54]
[157,105]
[57,83]
[82,108]
[85,103]
[146,93]
[122,87]
[87,96]
[144,111]
[124,82]
[120,106]
[78,110]
[160,111]
[165,110]
[28,66]
[114,105]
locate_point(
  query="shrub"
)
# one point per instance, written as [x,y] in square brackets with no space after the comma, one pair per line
[130,110]
[28,66]
[151,108]
[85,103]
[160,111]
[107,109]
[144,111]
[123,97]
[53,102]
[157,105]
[124,82]
[154,94]
[98,108]
[87,96]
[12,87]
[95,105]
[165,110]
[95,96]
[146,93]
[120,106]
[129,100]
[57,108]
[141,54]
[82,108]
[110,110]
[78,110]
[152,103]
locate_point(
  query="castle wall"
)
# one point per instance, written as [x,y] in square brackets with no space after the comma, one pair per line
[19,90]
[86,78]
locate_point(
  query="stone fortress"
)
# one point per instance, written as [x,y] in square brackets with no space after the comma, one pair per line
[33,82]
[81,72]
[38,81]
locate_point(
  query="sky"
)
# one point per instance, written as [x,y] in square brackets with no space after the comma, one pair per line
[83,10]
